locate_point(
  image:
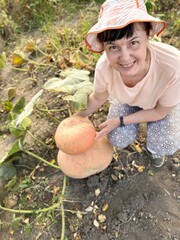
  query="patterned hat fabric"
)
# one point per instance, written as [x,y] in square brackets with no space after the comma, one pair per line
[116,14]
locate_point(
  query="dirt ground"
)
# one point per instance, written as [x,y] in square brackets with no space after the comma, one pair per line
[120,203]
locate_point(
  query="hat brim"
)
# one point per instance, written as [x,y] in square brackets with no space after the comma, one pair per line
[133,16]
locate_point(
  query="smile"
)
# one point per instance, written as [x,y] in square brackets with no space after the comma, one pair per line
[127,65]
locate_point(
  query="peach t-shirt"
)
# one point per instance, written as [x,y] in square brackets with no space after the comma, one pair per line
[161,83]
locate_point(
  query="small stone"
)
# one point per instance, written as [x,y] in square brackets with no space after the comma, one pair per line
[97,192]
[114,177]
[176,160]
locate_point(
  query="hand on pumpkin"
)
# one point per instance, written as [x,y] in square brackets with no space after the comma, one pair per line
[107,126]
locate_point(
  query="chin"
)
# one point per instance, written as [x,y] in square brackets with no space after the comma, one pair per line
[128,72]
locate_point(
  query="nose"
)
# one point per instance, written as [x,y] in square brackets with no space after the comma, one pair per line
[124,54]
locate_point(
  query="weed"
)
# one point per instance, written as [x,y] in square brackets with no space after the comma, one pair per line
[28,228]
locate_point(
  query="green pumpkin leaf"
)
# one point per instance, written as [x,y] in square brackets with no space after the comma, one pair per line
[11,183]
[72,77]
[19,106]
[77,86]
[7,171]
[79,74]
[16,148]
[78,100]
[20,130]
[28,108]
[8,105]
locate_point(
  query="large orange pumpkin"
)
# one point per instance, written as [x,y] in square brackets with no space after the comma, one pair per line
[75,135]
[94,160]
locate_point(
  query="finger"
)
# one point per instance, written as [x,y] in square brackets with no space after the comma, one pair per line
[99,135]
[102,125]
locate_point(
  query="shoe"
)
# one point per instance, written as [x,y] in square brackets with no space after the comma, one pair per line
[157,160]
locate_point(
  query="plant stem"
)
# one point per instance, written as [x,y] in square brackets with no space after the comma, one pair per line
[51,110]
[38,140]
[30,79]
[40,159]
[62,210]
[46,112]
[31,211]
[43,53]
[20,69]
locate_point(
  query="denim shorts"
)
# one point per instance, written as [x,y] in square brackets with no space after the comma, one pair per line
[163,136]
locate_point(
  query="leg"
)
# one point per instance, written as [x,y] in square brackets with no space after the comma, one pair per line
[122,136]
[163,137]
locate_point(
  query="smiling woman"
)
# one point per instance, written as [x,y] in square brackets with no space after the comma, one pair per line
[140,76]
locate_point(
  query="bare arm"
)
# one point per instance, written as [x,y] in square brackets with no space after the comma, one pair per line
[151,115]
[142,116]
[95,100]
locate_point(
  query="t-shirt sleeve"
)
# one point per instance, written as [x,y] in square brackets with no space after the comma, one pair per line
[171,95]
[100,83]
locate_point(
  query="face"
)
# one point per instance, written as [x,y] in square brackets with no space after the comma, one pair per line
[129,55]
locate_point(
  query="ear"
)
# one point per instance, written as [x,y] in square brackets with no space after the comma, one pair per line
[151,33]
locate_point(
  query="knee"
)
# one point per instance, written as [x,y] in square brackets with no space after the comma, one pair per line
[163,138]
[163,146]
[122,137]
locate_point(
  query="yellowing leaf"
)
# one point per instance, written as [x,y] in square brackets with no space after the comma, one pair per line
[137,147]
[18,58]
[2,60]
[52,161]
[11,93]
[11,232]
[141,168]
[105,207]
[63,62]
[30,46]
[55,190]
[29,196]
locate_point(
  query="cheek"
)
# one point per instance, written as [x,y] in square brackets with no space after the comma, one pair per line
[112,58]
[141,54]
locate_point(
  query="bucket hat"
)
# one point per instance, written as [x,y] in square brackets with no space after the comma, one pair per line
[116,14]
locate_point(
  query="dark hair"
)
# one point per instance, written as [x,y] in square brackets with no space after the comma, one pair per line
[128,31]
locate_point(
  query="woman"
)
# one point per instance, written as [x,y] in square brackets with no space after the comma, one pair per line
[141,78]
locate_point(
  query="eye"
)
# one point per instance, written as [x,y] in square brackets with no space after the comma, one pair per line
[113,48]
[134,43]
